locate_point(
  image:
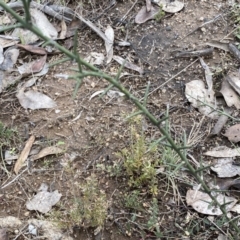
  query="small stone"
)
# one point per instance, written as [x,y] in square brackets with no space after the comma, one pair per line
[201,19]
[26,214]
[168,28]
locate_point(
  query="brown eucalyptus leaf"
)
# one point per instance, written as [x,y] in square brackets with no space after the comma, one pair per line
[230,96]
[233,133]
[24,154]
[47,151]
[33,49]
[144,15]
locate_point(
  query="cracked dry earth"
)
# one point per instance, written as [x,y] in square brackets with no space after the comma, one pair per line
[94,129]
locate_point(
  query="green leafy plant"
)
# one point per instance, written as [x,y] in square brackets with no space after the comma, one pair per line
[159,16]
[87,210]
[6,135]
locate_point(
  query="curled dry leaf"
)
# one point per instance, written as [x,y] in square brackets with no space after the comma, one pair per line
[233,133]
[225,168]
[109,45]
[170,6]
[223,152]
[202,203]
[145,15]
[201,98]
[127,64]
[24,154]
[47,151]
[230,96]
[34,100]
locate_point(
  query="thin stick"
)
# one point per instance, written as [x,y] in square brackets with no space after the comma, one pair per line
[173,77]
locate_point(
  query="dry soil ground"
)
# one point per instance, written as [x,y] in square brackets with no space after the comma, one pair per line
[92,141]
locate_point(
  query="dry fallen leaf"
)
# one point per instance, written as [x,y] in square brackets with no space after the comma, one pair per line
[223,152]
[234,80]
[3,234]
[24,154]
[95,58]
[43,200]
[33,67]
[63,30]
[230,96]
[47,151]
[201,98]
[10,58]
[34,100]
[127,64]
[221,122]
[170,6]
[109,45]
[233,133]
[27,36]
[226,183]
[225,168]
[145,15]
[33,49]
[148,5]
[43,24]
[217,44]
[201,202]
